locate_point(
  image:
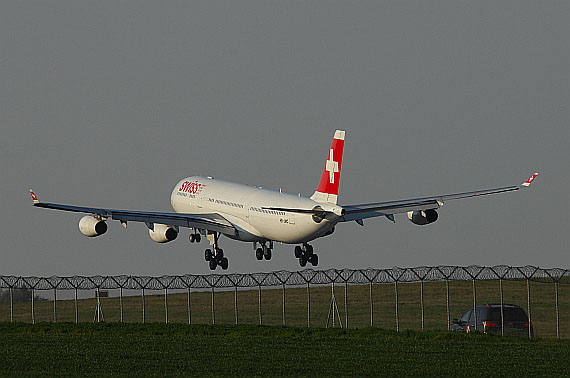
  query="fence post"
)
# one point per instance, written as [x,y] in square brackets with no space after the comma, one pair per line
[284,304]
[236,303]
[121,302]
[55,305]
[11,304]
[475,304]
[213,307]
[98,308]
[502,312]
[189,308]
[528,305]
[397,315]
[260,315]
[308,305]
[345,304]
[422,301]
[447,304]
[332,308]
[557,311]
[166,305]
[143,307]
[371,307]
[76,308]
[33,308]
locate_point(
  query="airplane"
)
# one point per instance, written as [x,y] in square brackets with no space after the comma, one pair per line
[212,207]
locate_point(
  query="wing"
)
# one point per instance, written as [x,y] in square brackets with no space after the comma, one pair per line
[388,209]
[212,222]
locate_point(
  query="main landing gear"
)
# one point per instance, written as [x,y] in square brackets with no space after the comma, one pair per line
[263,251]
[305,254]
[215,256]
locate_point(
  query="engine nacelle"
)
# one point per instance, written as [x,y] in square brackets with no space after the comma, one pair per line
[91,226]
[422,217]
[163,233]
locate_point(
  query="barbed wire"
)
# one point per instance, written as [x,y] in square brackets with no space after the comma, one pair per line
[288,278]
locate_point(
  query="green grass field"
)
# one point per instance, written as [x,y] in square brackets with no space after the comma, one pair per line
[542,306]
[112,349]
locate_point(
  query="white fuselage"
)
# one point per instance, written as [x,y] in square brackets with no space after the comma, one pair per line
[246,208]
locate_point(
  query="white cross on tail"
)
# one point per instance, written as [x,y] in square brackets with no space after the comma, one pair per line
[331,166]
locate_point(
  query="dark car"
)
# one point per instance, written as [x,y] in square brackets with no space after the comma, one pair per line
[489,320]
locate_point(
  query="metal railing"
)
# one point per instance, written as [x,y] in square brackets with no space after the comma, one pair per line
[305,278]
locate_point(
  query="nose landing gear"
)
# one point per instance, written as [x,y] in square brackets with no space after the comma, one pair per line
[305,255]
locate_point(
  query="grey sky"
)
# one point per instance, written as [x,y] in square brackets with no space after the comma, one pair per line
[110,103]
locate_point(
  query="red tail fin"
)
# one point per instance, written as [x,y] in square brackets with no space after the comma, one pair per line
[327,191]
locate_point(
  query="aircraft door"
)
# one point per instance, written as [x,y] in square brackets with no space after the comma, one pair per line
[247,207]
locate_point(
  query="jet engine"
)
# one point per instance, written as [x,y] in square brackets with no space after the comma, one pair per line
[163,233]
[91,226]
[422,217]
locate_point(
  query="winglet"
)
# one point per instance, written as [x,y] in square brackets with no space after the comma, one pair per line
[530,179]
[34,197]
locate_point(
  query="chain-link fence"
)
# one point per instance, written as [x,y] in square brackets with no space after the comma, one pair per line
[380,296]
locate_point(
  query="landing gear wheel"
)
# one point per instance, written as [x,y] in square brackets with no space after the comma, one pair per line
[267,254]
[219,255]
[208,254]
[259,253]
[192,238]
[303,261]
[224,263]
[314,260]
[309,250]
[197,238]
[298,251]
[213,264]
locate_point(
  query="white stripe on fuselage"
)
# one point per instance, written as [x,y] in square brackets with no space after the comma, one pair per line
[245,207]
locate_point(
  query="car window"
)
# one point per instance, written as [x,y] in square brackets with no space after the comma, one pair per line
[495,314]
[515,314]
[482,314]
[467,315]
